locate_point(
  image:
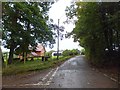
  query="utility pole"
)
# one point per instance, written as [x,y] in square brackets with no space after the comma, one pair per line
[58,41]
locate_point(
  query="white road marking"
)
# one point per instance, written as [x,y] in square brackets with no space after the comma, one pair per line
[44,78]
[105,75]
[41,82]
[51,78]
[113,79]
[47,75]
[88,83]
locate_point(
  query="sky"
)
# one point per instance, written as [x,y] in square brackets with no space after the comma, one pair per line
[57,11]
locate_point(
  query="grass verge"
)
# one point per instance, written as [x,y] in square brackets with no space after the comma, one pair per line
[18,68]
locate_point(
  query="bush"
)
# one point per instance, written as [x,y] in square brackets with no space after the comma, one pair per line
[49,53]
[83,52]
[75,51]
[66,52]
[70,52]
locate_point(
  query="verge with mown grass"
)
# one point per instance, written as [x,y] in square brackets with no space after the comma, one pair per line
[18,68]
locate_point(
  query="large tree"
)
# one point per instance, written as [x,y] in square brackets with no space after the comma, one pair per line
[97,28]
[24,24]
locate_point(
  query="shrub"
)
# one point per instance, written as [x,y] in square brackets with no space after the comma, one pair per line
[70,52]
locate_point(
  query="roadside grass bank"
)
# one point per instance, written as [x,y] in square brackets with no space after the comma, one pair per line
[19,68]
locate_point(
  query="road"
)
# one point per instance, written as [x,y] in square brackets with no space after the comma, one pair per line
[74,73]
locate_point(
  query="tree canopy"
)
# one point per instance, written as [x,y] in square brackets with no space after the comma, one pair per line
[24,24]
[97,29]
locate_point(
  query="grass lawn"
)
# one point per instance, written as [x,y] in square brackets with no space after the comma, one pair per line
[20,67]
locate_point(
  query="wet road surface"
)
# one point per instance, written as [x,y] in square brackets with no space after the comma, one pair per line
[74,73]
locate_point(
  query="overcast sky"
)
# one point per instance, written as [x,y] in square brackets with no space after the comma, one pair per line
[56,12]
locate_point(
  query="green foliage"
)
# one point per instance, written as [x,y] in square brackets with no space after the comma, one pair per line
[24,24]
[66,53]
[75,51]
[49,53]
[82,51]
[70,52]
[97,28]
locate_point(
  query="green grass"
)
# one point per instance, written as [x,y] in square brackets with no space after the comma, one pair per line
[20,67]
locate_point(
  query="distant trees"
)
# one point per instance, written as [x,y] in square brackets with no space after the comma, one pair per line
[24,24]
[70,52]
[97,29]
[82,51]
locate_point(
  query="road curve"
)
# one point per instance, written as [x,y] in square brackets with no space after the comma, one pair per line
[76,73]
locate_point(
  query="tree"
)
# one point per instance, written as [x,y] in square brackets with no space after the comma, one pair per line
[24,24]
[82,51]
[97,29]
[75,51]
[66,52]
[70,52]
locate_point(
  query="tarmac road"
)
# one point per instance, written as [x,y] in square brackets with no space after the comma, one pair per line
[74,73]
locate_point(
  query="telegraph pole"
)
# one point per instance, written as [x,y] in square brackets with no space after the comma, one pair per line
[58,41]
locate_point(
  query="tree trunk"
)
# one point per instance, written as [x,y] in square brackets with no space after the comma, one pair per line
[2,60]
[24,57]
[12,43]
[42,58]
[111,41]
[11,54]
[2,56]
